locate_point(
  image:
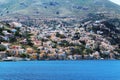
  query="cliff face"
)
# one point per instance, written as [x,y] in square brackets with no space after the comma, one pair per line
[56,8]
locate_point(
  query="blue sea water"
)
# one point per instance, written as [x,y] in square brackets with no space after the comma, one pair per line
[60,70]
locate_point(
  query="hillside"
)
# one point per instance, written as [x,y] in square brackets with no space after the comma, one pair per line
[56,8]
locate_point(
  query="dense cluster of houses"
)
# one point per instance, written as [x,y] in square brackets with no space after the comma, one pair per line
[60,42]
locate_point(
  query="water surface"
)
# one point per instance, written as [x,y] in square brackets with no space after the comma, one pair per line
[60,70]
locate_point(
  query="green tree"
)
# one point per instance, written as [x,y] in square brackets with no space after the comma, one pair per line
[12,39]
[64,43]
[2,47]
[60,35]
[17,34]
[29,42]
[24,55]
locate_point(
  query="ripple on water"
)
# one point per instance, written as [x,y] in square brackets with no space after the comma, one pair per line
[60,70]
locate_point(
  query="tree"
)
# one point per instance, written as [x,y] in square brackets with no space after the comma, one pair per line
[29,42]
[64,43]
[17,33]
[76,36]
[2,47]
[12,39]
[86,51]
[60,35]
[24,55]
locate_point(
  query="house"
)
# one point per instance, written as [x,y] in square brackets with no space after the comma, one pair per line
[70,57]
[7,45]
[24,41]
[52,56]
[77,57]
[16,50]
[1,26]
[62,56]
[15,25]
[33,56]
[2,54]
[6,33]
[96,55]
[29,51]
[13,30]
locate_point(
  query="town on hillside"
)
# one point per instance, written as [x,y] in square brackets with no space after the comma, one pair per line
[59,39]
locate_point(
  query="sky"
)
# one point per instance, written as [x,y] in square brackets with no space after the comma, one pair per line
[116,1]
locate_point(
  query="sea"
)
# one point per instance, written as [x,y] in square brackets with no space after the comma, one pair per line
[61,70]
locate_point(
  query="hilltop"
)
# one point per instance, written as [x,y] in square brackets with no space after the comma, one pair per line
[56,8]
